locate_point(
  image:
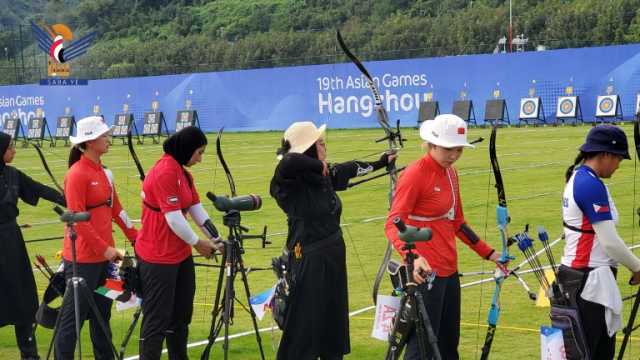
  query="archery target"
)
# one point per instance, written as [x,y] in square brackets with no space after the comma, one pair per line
[529,108]
[64,127]
[566,107]
[606,105]
[35,128]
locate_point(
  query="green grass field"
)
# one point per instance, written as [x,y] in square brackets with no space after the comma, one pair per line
[533,161]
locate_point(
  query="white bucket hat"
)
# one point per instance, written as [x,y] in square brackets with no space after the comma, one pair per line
[89,128]
[446,130]
[302,134]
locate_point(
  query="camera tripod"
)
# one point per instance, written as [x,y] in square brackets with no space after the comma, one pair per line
[412,313]
[77,287]
[223,312]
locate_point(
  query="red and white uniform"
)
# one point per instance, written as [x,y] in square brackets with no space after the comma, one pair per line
[428,195]
[167,187]
[89,187]
[586,200]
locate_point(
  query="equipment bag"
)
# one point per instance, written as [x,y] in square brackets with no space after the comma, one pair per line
[283,291]
[567,318]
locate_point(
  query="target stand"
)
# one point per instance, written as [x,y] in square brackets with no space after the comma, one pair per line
[36,129]
[608,109]
[569,110]
[464,109]
[531,112]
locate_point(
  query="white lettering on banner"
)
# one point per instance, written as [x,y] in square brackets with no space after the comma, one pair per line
[19,100]
[327,83]
[22,115]
[15,103]
[399,100]
[389,80]
[364,105]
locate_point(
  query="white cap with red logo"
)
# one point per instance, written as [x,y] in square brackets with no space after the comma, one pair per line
[446,130]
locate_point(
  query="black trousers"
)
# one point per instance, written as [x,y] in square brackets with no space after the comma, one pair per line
[26,339]
[168,291]
[601,346]
[94,275]
[443,307]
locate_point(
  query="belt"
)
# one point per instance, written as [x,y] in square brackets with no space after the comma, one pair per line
[156,209]
[300,249]
[577,229]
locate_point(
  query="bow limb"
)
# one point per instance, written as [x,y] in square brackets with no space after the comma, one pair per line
[134,156]
[227,172]
[394,141]
[502,217]
[636,142]
[46,167]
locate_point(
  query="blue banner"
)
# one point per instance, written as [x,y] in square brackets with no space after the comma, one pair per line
[337,94]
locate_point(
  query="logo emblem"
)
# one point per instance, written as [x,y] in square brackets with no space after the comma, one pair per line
[599,209]
[58,42]
[297,251]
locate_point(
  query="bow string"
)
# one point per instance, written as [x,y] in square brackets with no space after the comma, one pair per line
[395,142]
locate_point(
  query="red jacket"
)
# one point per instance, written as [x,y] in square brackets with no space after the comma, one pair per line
[425,194]
[167,187]
[86,185]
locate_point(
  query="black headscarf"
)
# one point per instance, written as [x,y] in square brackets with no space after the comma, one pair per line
[184,143]
[5,141]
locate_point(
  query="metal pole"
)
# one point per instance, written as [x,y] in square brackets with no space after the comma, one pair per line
[21,51]
[510,27]
[15,60]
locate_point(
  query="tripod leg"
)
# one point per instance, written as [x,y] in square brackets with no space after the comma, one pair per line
[229,296]
[98,317]
[76,311]
[629,328]
[251,312]
[127,337]
[397,341]
[420,335]
[217,307]
[431,336]
[55,329]
[69,293]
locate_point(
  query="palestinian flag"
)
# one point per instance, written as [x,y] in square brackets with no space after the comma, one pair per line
[111,289]
[260,303]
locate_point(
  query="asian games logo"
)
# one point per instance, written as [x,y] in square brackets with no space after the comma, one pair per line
[58,42]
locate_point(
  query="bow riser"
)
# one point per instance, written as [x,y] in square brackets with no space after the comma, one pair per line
[502,220]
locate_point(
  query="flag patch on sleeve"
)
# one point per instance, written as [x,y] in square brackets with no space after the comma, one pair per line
[172,200]
[599,209]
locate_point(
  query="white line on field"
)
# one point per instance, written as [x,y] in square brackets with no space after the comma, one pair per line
[251,332]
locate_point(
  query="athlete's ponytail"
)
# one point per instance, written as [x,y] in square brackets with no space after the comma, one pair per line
[576,162]
[75,153]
